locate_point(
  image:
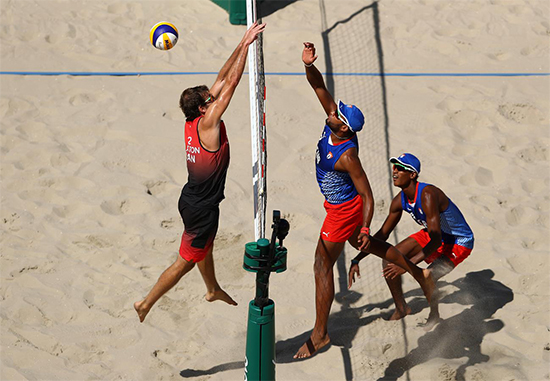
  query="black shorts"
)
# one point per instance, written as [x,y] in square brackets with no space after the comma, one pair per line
[201,226]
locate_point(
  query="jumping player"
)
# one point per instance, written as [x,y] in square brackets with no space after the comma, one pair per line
[207,153]
[444,241]
[348,202]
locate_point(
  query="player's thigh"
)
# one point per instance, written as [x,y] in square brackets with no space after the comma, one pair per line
[327,253]
[409,247]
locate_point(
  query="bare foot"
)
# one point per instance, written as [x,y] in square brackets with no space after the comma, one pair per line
[309,348]
[220,295]
[431,322]
[397,315]
[141,310]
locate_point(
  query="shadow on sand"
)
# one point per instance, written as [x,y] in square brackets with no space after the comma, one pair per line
[267,7]
[187,373]
[460,335]
[455,337]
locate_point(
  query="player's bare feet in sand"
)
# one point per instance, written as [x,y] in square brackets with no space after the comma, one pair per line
[400,314]
[220,295]
[142,310]
[433,317]
[310,347]
[432,321]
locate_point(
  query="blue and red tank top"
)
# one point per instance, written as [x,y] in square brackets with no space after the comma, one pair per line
[336,186]
[207,169]
[454,228]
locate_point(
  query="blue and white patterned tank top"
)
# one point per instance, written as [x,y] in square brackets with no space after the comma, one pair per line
[336,186]
[454,228]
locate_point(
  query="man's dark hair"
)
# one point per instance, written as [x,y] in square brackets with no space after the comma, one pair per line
[190,101]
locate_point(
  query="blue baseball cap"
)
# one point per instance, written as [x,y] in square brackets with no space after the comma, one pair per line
[408,161]
[351,116]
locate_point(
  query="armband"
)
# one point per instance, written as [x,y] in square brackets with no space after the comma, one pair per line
[365,230]
[310,65]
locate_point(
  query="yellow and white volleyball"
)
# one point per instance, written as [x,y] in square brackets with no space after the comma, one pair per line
[163,35]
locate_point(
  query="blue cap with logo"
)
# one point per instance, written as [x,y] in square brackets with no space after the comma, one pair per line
[351,116]
[408,161]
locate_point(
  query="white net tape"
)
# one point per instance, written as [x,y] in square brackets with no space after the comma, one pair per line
[257,125]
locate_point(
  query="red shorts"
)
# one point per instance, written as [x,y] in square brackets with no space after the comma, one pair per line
[342,220]
[190,253]
[455,253]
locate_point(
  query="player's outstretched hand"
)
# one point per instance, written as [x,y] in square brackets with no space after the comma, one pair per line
[252,33]
[354,269]
[308,54]
[391,271]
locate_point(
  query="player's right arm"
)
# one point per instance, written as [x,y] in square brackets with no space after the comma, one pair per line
[315,79]
[393,218]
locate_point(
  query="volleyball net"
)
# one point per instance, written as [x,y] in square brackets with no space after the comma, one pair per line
[352,45]
[257,123]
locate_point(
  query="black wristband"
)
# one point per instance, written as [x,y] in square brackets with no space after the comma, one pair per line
[354,262]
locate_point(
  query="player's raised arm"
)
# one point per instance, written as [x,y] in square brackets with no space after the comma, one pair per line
[315,78]
[218,104]
[222,75]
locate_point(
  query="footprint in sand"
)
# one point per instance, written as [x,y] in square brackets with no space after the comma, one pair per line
[93,97]
[470,125]
[67,183]
[129,206]
[46,343]
[521,113]
[513,216]
[72,211]
[35,131]
[168,224]
[537,152]
[13,221]
[93,242]
[155,187]
[483,176]
[536,51]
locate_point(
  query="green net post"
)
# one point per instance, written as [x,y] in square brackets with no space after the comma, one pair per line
[236,10]
[260,343]
[263,257]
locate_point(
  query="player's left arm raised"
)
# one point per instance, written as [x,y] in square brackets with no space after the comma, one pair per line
[349,162]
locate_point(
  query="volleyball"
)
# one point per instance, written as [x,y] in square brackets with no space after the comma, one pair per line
[163,35]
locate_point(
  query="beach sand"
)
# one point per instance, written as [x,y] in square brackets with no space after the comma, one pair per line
[92,166]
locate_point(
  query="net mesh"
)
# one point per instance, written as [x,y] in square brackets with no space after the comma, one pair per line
[258,127]
[353,54]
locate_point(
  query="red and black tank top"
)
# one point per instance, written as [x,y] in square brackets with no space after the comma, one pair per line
[207,169]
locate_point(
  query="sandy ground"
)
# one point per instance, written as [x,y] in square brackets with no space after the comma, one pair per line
[92,167]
